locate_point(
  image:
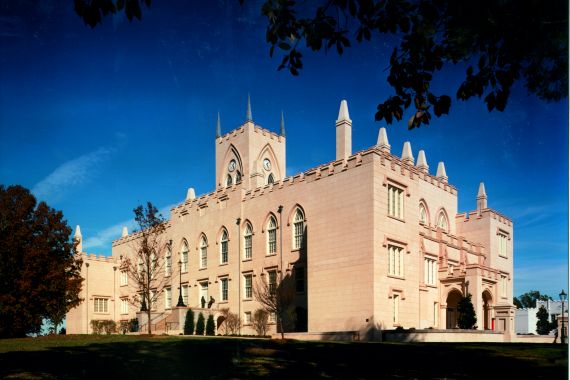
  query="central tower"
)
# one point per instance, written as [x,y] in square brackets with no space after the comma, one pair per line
[249,156]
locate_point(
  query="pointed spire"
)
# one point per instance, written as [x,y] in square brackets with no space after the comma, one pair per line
[282,132]
[421,163]
[382,142]
[218,127]
[124,232]
[248,111]
[79,239]
[407,155]
[441,174]
[191,194]
[343,112]
[481,198]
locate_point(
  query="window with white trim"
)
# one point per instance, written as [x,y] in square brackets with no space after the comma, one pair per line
[272,281]
[248,288]
[298,229]
[224,289]
[223,248]
[167,298]
[247,241]
[185,294]
[396,261]
[272,236]
[503,285]
[395,308]
[430,271]
[442,221]
[168,262]
[184,257]
[395,202]
[423,214]
[203,253]
[101,305]
[299,279]
[272,317]
[502,244]
[435,312]
[153,298]
[204,291]
[247,317]
[124,278]
[140,266]
[153,263]
[124,306]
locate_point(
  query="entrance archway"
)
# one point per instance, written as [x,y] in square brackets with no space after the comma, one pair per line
[487,307]
[451,313]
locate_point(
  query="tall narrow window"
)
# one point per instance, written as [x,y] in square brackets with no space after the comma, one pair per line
[140,265]
[167,298]
[271,179]
[395,202]
[203,253]
[124,306]
[101,305]
[184,257]
[124,277]
[185,294]
[247,318]
[153,299]
[300,279]
[223,248]
[248,286]
[435,311]
[502,244]
[298,229]
[423,214]
[442,221]
[247,240]
[238,176]
[396,261]
[396,308]
[224,289]
[503,285]
[168,262]
[229,180]
[272,236]
[429,271]
[272,281]
[204,291]
[153,263]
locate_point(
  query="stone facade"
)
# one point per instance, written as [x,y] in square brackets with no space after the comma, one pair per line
[369,241]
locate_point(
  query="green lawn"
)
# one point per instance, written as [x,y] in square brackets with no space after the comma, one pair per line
[74,357]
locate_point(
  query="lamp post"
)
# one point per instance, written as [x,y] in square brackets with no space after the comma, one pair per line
[180,299]
[562,298]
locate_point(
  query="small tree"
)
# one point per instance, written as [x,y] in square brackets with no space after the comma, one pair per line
[275,297]
[260,322]
[210,326]
[467,318]
[200,325]
[542,325]
[189,323]
[233,324]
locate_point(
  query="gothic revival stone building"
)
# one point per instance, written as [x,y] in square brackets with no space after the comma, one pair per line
[370,241]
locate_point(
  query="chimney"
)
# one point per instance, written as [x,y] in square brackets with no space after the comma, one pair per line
[343,132]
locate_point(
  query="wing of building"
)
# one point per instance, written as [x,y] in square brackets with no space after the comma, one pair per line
[369,241]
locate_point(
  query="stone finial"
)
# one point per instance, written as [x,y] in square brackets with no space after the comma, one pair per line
[481,198]
[218,127]
[343,112]
[79,239]
[282,132]
[248,111]
[382,142]
[407,155]
[421,163]
[191,194]
[124,231]
[441,174]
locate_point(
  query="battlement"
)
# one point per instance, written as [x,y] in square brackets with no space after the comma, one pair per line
[89,257]
[256,129]
[452,241]
[135,235]
[485,213]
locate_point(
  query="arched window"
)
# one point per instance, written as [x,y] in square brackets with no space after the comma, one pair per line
[272,236]
[229,180]
[153,263]
[224,247]
[203,252]
[184,256]
[168,261]
[442,221]
[238,176]
[423,214]
[271,179]
[140,265]
[247,237]
[298,229]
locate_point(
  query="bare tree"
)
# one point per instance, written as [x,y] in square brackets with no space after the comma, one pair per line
[275,297]
[259,321]
[145,266]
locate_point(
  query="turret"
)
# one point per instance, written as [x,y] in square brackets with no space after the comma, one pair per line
[407,156]
[218,127]
[441,174]
[124,232]
[343,132]
[421,163]
[382,142]
[481,198]
[248,111]
[191,194]
[282,132]
[79,239]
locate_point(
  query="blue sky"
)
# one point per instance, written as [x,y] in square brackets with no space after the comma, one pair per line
[98,121]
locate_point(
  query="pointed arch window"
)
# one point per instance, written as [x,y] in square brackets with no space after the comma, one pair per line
[140,265]
[423,214]
[224,247]
[184,257]
[272,236]
[168,261]
[153,263]
[298,229]
[238,176]
[247,241]
[442,221]
[203,252]
[271,179]
[229,180]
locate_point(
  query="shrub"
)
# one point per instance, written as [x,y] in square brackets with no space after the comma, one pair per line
[210,326]
[103,326]
[260,322]
[189,323]
[123,327]
[233,324]
[200,325]
[467,318]
[542,324]
[134,325]
[63,331]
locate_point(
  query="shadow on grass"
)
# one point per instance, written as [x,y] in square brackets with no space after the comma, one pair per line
[203,358]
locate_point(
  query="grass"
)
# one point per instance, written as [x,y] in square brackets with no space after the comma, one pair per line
[161,357]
